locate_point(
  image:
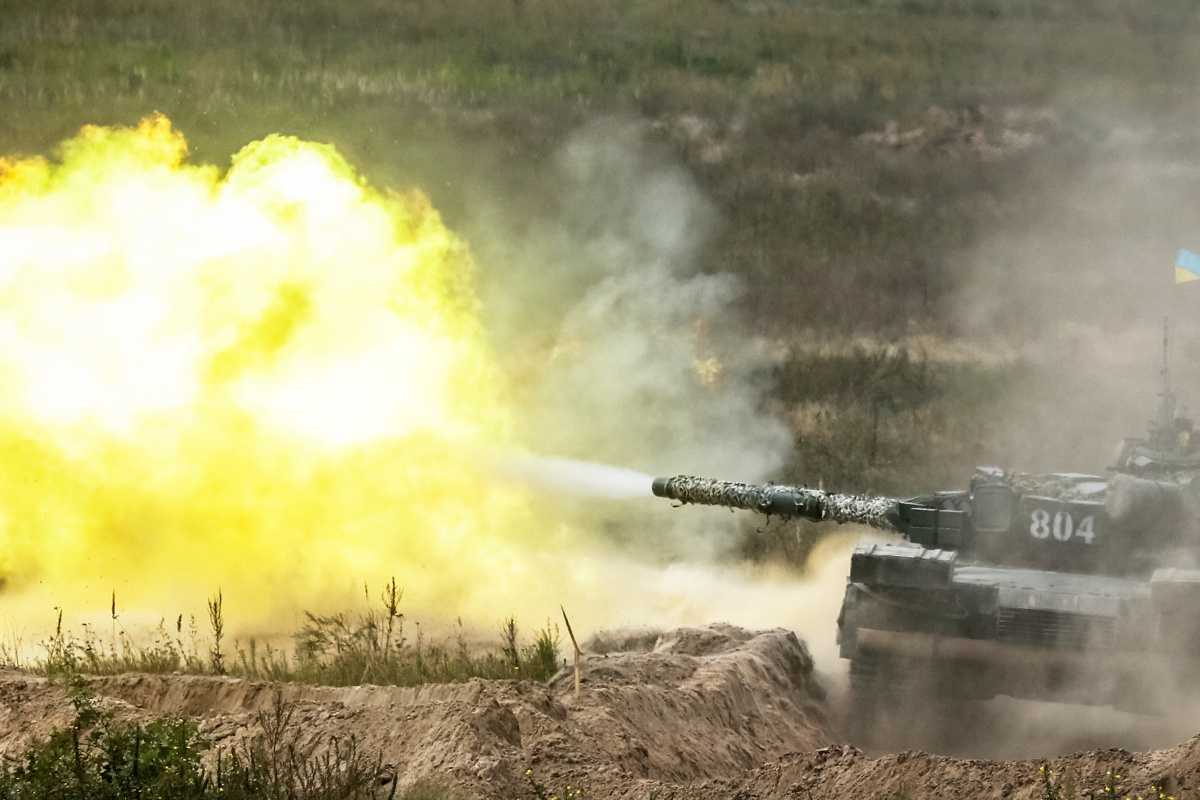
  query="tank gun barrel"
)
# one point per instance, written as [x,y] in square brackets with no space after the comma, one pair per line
[780,501]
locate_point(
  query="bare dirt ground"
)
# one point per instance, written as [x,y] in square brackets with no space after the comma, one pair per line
[707,712]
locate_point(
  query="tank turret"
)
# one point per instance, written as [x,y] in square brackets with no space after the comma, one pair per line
[1171,447]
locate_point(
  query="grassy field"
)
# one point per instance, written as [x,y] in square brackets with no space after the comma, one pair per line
[833,232]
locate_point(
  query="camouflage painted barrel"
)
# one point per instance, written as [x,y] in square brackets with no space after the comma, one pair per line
[780,501]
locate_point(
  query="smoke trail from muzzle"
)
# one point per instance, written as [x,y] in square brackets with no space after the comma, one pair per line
[579,478]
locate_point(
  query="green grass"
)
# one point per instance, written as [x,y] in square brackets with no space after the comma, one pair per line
[344,649]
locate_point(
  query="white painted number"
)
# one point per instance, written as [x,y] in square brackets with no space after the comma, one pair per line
[1084,531]
[1040,527]
[1062,526]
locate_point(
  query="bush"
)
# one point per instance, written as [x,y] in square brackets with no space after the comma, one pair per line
[99,757]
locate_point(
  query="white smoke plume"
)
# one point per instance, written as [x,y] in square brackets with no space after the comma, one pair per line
[576,477]
[620,350]
[624,353]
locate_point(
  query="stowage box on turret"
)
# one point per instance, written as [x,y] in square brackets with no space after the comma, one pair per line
[1076,588]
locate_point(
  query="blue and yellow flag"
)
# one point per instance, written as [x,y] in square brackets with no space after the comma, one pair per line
[1187,267]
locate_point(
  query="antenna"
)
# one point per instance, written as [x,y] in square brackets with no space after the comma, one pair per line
[1162,434]
[1166,370]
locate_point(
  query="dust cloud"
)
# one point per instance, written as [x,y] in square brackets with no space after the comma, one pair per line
[1075,287]
[1077,283]
[622,352]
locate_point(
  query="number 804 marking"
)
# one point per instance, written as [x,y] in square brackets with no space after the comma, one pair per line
[1061,526]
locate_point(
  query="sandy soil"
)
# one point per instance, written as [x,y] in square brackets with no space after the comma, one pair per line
[707,712]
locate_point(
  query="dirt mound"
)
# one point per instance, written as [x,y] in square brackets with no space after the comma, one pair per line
[704,705]
[715,712]
[846,772]
[30,709]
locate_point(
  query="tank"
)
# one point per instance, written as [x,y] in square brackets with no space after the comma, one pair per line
[1067,587]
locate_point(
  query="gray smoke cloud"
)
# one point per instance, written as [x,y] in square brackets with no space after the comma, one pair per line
[620,350]
[632,357]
